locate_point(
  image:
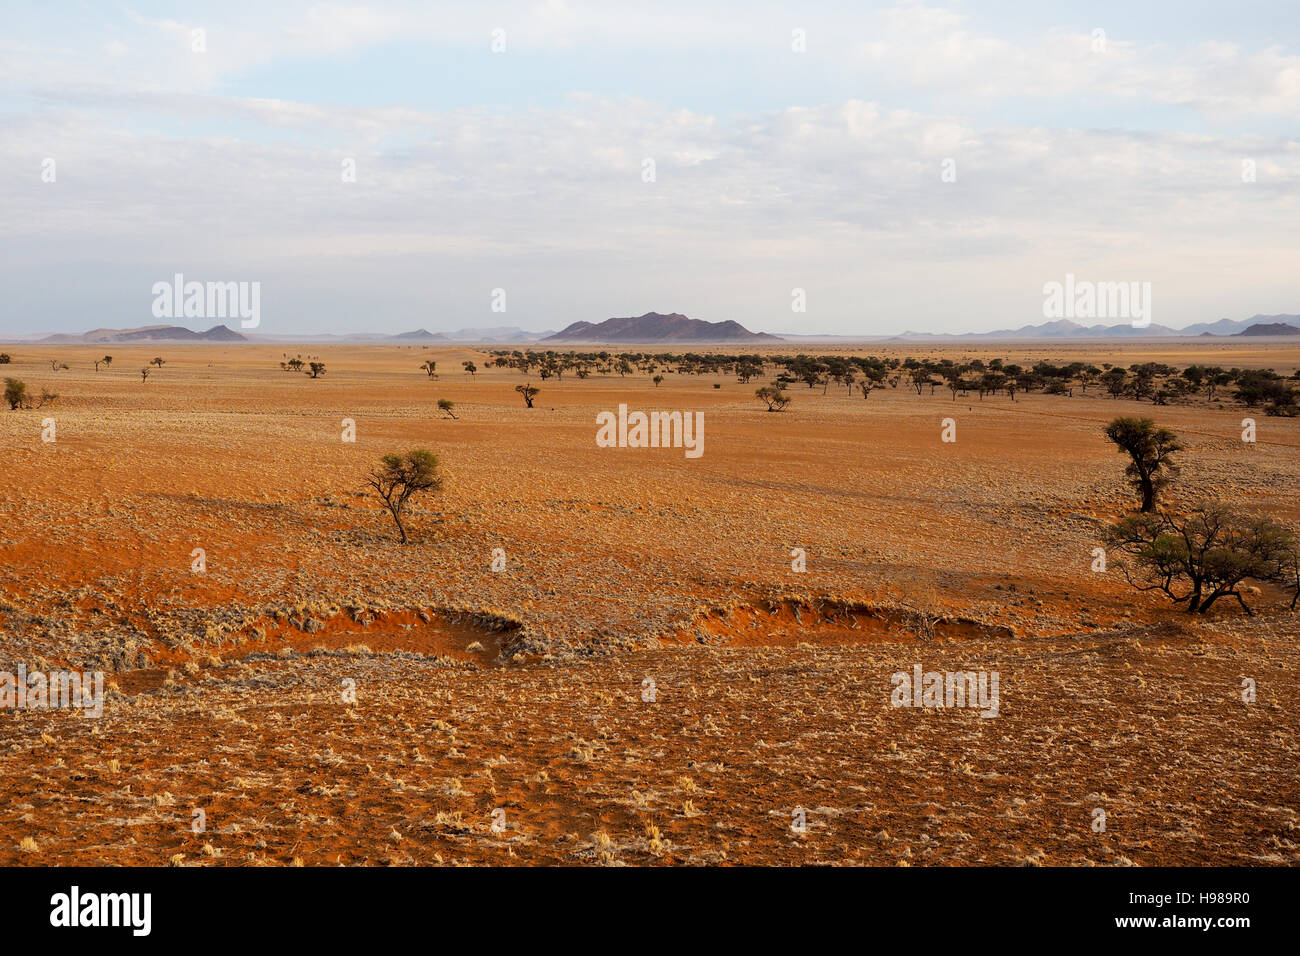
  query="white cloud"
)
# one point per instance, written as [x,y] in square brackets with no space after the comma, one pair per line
[846,199]
[157,171]
[925,48]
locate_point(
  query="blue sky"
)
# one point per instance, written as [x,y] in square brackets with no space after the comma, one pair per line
[1115,156]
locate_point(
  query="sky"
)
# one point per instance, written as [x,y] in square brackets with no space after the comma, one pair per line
[382,167]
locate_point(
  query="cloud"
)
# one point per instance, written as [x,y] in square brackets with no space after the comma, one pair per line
[158,171]
[925,48]
[812,193]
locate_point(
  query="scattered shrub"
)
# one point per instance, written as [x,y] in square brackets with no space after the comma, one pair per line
[399,477]
[1150,469]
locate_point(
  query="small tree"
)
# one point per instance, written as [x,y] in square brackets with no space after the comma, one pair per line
[1116,382]
[295,364]
[5,358]
[15,394]
[529,392]
[470,367]
[1206,555]
[144,374]
[776,399]
[430,368]
[1151,469]
[446,405]
[400,476]
[106,360]
[158,362]
[317,369]
[657,379]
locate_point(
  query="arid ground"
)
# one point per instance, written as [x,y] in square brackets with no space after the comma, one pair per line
[648,680]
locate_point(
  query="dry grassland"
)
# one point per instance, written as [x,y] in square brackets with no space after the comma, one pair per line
[524,691]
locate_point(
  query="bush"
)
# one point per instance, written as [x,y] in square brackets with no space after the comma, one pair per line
[399,477]
[1206,555]
[775,398]
[16,394]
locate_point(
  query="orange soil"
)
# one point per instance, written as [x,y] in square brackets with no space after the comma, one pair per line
[620,564]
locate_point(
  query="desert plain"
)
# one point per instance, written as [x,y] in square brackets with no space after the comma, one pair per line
[645,678]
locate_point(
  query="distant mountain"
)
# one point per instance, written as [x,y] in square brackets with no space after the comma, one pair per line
[147,333]
[1057,329]
[1270,328]
[1292,320]
[500,333]
[654,327]
[1221,327]
[419,335]
[1237,326]
[1065,329]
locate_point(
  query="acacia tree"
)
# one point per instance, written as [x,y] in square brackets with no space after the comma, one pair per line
[446,405]
[106,360]
[1150,469]
[470,367]
[398,477]
[529,392]
[776,399]
[431,368]
[317,369]
[15,394]
[1207,555]
[144,374]
[157,361]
